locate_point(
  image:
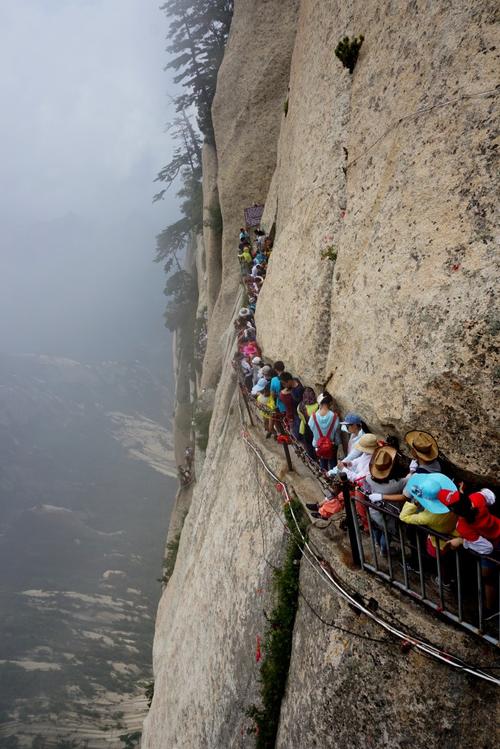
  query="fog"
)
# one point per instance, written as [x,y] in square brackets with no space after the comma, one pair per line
[84,104]
[88,474]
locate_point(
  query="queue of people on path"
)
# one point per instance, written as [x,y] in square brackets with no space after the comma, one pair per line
[413,485]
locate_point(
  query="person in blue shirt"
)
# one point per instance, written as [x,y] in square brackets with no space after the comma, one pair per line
[326,423]
[276,386]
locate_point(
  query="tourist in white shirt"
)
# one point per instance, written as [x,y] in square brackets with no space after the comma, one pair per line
[359,467]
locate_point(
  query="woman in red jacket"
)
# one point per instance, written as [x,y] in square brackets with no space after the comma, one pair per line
[477,529]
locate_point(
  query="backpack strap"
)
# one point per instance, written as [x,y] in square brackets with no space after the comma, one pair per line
[317,425]
[330,428]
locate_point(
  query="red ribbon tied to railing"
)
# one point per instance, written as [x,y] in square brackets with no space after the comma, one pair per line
[284,439]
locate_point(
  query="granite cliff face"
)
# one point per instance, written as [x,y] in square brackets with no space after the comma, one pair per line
[395,167]
[247,112]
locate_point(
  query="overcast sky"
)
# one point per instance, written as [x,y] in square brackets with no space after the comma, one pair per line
[84,106]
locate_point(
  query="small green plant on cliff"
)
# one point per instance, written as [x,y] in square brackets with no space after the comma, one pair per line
[202,421]
[285,106]
[329,253]
[347,50]
[278,638]
[170,559]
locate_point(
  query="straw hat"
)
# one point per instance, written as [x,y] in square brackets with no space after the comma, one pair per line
[382,461]
[367,443]
[423,444]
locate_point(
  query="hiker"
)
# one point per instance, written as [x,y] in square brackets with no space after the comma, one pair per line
[256,367]
[307,406]
[477,529]
[257,270]
[354,425]
[357,472]
[358,468]
[260,237]
[265,399]
[247,371]
[245,258]
[325,427]
[260,258]
[263,381]
[244,235]
[276,386]
[423,508]
[286,397]
[424,451]
[384,482]
[250,349]
[297,390]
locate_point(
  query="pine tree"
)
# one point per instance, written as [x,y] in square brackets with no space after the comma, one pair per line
[198,32]
[197,36]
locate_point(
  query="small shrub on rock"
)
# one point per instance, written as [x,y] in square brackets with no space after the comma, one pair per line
[347,50]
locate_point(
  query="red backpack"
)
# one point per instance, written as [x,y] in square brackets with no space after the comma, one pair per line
[324,447]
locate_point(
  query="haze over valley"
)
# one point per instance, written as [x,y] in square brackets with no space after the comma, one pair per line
[86,471]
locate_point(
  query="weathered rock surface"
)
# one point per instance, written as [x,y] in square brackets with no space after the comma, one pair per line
[405,318]
[211,612]
[247,112]
[348,691]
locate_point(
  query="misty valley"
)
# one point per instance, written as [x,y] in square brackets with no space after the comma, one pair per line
[86,482]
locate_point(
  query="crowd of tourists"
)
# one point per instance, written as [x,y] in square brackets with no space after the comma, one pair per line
[412,483]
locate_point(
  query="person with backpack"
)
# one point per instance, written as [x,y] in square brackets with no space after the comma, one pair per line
[276,385]
[325,427]
[305,410]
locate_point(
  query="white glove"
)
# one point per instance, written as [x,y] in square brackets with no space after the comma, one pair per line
[375,497]
[413,466]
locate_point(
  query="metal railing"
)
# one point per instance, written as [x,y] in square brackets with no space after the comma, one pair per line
[456,594]
[452,584]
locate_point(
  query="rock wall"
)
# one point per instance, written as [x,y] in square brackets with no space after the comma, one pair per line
[346,690]
[247,112]
[212,609]
[395,169]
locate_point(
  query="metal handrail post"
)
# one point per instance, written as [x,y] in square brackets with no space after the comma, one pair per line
[350,520]
[288,456]
[245,398]
[283,432]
